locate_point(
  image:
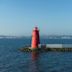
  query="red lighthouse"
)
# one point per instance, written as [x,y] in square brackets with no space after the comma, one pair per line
[35,38]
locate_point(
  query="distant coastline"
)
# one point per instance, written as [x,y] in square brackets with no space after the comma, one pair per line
[42,36]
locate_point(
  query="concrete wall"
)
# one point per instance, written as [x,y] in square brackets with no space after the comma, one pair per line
[56,45]
[67,45]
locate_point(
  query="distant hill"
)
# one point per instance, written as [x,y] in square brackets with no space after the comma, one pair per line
[42,36]
[57,36]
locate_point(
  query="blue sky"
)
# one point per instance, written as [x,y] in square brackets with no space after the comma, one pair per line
[18,17]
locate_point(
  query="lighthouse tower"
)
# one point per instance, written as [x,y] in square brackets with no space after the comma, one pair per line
[35,38]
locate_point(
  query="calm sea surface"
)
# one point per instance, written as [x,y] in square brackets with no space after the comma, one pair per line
[12,60]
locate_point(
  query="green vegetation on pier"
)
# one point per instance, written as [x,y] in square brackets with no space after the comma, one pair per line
[46,49]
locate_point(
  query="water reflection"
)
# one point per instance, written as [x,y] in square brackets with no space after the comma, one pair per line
[34,66]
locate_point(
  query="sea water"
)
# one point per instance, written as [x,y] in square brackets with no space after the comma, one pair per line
[13,60]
